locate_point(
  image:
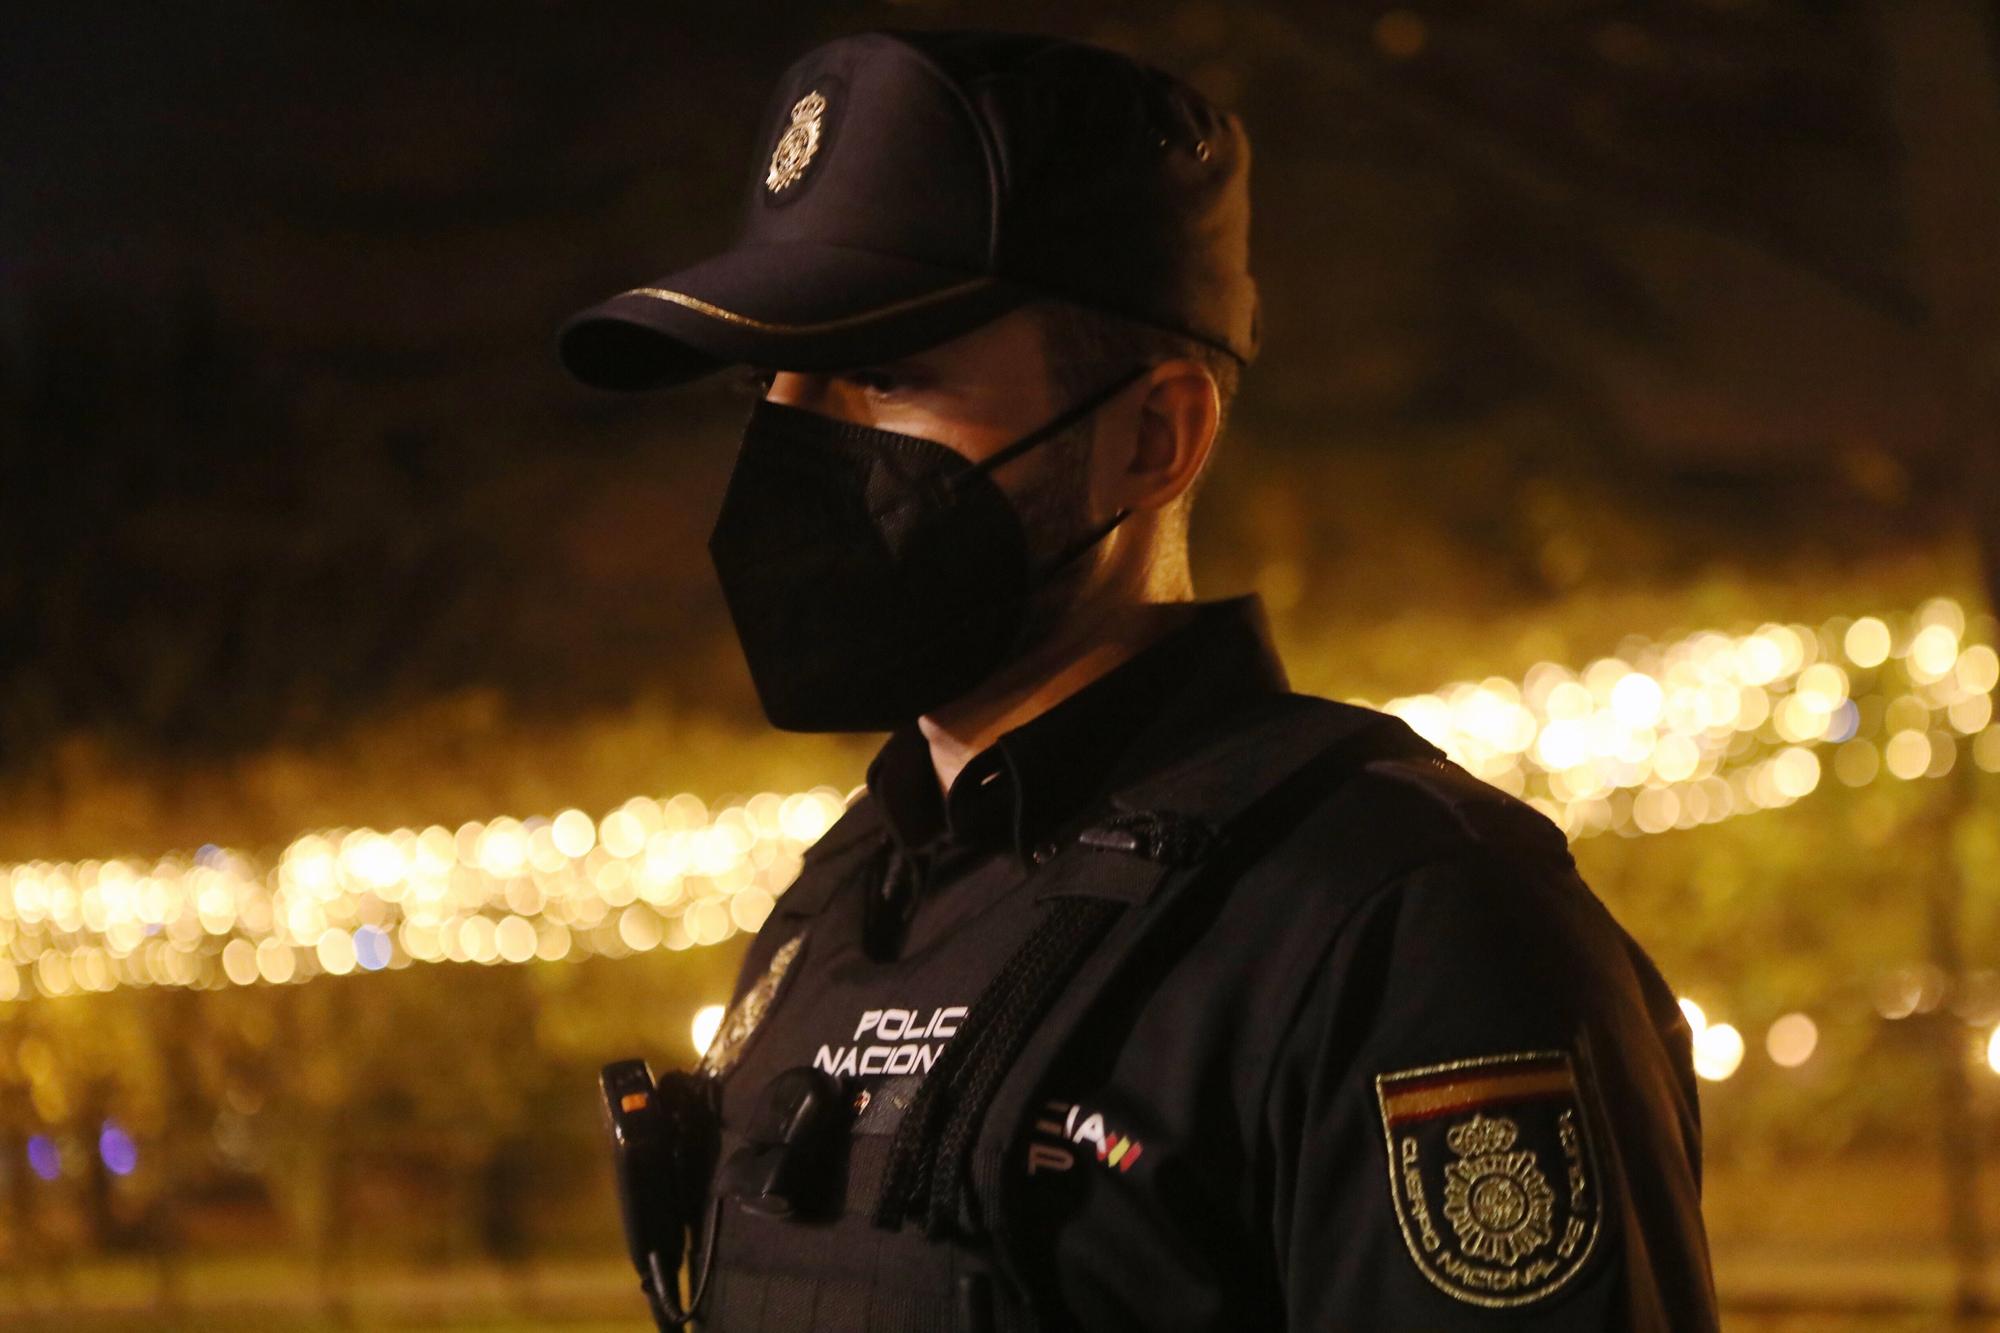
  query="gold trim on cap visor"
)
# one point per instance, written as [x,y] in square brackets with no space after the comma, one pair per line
[701,307]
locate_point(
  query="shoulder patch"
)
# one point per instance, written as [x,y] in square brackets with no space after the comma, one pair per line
[1492,1173]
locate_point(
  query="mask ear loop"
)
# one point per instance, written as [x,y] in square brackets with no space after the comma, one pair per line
[1061,423]
[1077,548]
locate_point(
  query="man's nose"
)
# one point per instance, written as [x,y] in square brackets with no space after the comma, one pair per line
[829,395]
[789,388]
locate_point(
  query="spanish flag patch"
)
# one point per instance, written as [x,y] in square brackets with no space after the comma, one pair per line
[1492,1173]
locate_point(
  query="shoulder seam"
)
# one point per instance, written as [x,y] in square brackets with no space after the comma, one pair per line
[1461,793]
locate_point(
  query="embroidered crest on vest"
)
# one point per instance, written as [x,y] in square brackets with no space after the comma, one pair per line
[747,1013]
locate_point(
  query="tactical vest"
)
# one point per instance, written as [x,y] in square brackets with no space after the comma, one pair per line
[876,1025]
[1186,829]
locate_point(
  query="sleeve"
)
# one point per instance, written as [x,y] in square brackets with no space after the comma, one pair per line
[1480,1118]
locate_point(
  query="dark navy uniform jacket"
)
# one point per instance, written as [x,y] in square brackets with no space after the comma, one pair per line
[1383,1061]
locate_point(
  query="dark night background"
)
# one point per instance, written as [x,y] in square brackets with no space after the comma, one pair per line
[288,444]
[1582,320]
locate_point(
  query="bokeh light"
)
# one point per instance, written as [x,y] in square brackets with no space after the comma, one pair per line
[116,1149]
[1791,1040]
[707,1022]
[1867,642]
[371,948]
[44,1158]
[1718,1050]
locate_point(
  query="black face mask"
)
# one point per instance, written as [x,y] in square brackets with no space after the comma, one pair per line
[874,576]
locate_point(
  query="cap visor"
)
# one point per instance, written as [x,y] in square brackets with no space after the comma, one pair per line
[791,307]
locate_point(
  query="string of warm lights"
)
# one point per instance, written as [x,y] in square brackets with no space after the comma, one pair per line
[648,875]
[1715,725]
[1668,735]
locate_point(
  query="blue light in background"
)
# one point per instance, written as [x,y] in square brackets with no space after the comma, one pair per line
[43,1159]
[115,1146]
[371,948]
[1845,722]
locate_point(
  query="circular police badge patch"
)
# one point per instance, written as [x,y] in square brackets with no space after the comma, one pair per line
[1492,1174]
[797,144]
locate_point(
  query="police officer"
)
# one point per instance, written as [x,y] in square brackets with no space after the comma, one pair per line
[1135,990]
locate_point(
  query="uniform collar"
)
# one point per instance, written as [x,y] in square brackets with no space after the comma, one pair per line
[1032,779]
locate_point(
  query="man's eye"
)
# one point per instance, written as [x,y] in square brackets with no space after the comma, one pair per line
[873,381]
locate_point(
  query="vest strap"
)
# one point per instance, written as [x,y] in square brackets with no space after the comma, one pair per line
[1120,862]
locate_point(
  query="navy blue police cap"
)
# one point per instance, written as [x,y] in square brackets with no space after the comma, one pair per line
[909,186]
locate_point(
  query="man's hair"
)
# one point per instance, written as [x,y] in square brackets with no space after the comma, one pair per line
[1085,347]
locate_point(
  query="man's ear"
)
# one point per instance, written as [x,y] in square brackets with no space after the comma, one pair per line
[1179,414]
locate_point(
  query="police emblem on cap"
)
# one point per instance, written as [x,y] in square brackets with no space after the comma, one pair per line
[1492,1174]
[797,144]
[747,1013]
